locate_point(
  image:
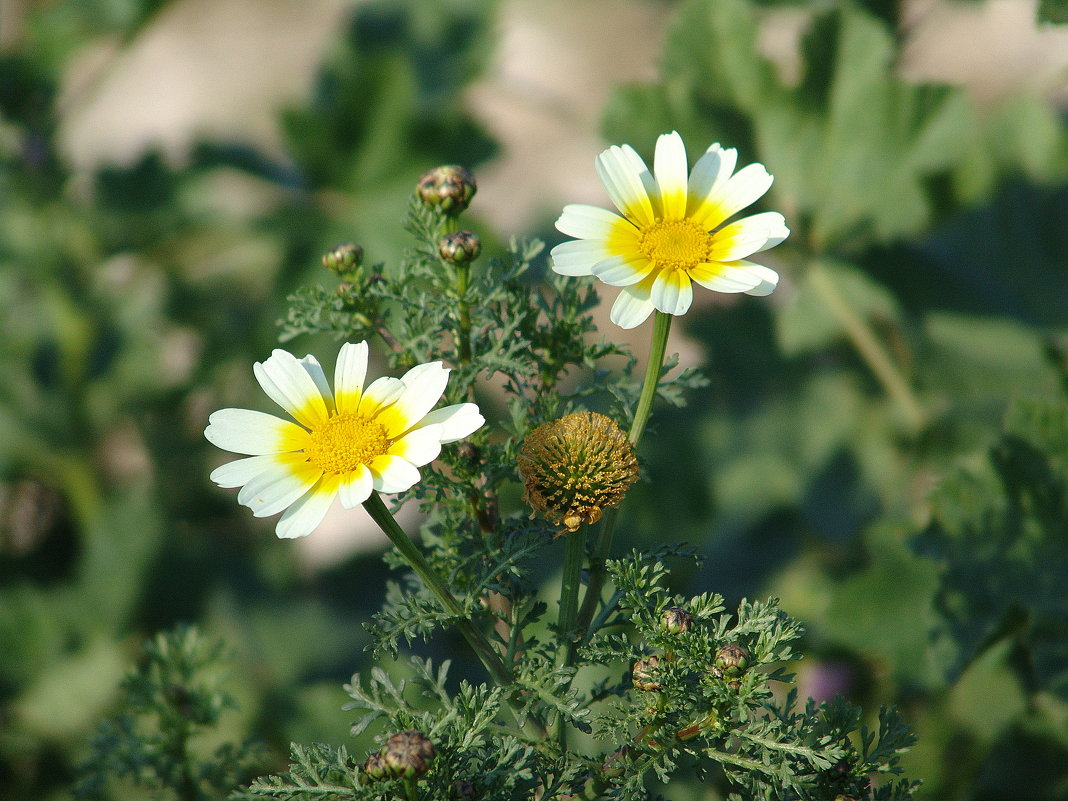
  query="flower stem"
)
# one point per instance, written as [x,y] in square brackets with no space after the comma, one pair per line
[603,547]
[478,642]
[869,348]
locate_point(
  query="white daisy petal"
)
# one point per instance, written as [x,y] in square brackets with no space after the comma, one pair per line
[288,383]
[621,270]
[301,519]
[672,292]
[669,165]
[253,433]
[710,172]
[349,375]
[586,222]
[241,471]
[616,168]
[743,188]
[423,387]
[457,421]
[740,276]
[577,256]
[276,488]
[747,236]
[420,446]
[355,488]
[393,474]
[315,370]
[381,392]
[633,306]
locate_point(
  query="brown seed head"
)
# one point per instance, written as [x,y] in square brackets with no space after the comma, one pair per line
[644,673]
[575,467]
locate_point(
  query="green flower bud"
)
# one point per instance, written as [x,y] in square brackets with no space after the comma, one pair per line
[449,188]
[374,767]
[343,258]
[460,247]
[732,660]
[645,672]
[576,466]
[676,620]
[408,755]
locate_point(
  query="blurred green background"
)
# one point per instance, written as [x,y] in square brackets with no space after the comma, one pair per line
[884,443]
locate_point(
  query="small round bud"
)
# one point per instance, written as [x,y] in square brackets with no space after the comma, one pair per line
[449,188]
[732,660]
[408,755]
[374,767]
[644,673]
[343,258]
[460,247]
[576,466]
[468,452]
[676,620]
[462,790]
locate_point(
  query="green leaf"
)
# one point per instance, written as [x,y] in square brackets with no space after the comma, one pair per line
[1053,12]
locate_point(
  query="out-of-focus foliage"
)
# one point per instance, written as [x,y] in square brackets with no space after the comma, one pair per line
[134,299]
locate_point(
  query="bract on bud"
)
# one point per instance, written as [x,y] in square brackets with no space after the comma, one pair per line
[343,258]
[408,755]
[374,767]
[676,620]
[449,188]
[460,247]
[644,673]
[732,660]
[576,466]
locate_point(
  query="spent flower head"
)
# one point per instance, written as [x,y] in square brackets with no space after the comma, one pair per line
[346,442]
[673,231]
[575,467]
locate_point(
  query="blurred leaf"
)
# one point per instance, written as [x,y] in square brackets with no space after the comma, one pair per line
[1053,11]
[805,323]
[996,530]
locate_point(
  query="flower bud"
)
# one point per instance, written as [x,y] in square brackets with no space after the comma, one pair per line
[644,673]
[408,755]
[732,660]
[460,247]
[449,188]
[374,767]
[343,258]
[676,620]
[576,466]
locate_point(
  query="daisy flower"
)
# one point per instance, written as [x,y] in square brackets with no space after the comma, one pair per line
[673,231]
[347,443]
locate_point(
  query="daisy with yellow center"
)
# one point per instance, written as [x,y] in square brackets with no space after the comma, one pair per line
[673,231]
[346,443]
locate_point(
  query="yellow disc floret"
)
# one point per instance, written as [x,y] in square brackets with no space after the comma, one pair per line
[675,244]
[346,441]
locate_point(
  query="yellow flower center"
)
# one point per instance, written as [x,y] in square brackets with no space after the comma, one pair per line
[345,442]
[675,244]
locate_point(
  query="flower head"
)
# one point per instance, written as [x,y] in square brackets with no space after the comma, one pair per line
[673,231]
[347,442]
[576,466]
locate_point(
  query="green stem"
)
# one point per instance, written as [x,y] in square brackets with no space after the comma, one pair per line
[869,347]
[499,672]
[463,276]
[481,646]
[574,553]
[603,546]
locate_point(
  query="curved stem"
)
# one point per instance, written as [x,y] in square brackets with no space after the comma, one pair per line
[603,546]
[869,348]
[478,642]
